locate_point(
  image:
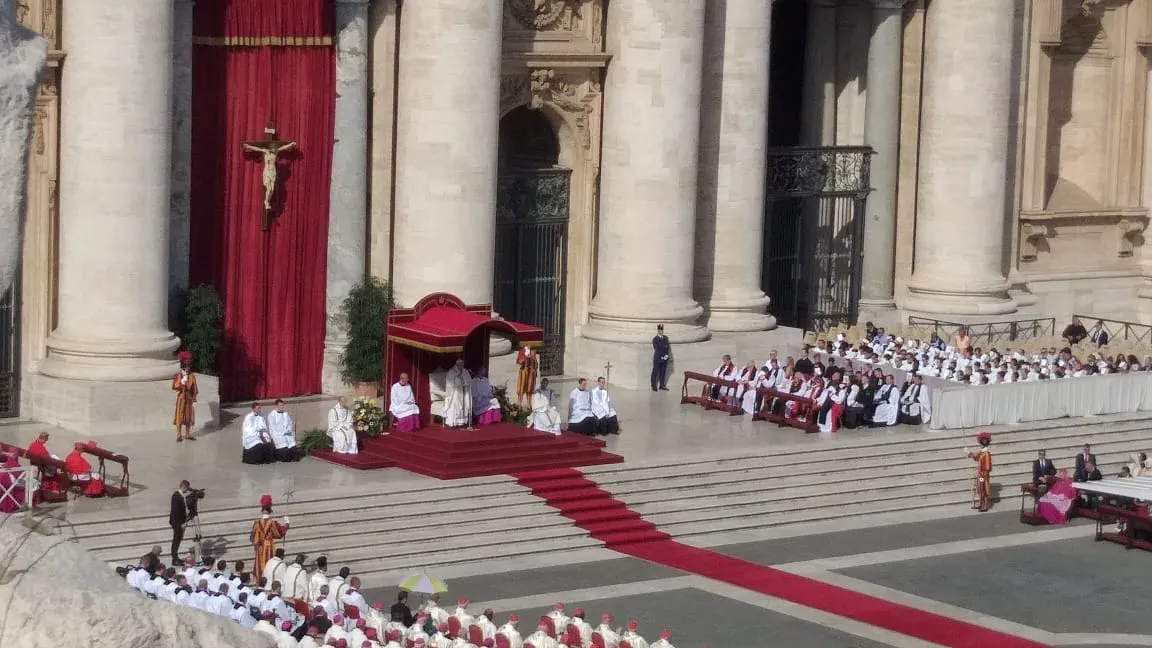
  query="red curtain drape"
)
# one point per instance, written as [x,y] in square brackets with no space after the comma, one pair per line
[272,283]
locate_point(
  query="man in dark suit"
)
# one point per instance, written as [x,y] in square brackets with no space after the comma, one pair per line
[1098,334]
[1043,470]
[661,353]
[400,612]
[1086,469]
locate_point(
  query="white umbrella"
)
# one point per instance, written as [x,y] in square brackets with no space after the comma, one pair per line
[424,584]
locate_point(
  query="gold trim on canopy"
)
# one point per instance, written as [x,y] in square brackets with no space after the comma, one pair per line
[263,41]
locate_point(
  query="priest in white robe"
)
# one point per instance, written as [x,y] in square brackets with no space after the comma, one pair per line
[318,579]
[607,634]
[545,417]
[581,419]
[295,583]
[283,432]
[340,428]
[485,407]
[458,397]
[258,446]
[831,407]
[402,405]
[510,631]
[606,421]
[887,410]
[915,408]
[632,635]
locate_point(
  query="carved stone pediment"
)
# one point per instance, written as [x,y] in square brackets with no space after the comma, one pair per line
[542,87]
[544,15]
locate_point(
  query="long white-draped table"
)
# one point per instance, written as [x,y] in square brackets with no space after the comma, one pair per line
[956,406]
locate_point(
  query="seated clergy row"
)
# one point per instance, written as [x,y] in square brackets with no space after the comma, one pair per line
[834,397]
[589,412]
[79,470]
[270,439]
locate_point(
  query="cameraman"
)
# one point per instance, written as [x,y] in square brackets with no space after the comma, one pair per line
[182,511]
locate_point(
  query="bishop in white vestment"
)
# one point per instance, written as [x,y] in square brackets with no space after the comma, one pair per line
[581,419]
[458,397]
[545,417]
[340,428]
[606,421]
[402,405]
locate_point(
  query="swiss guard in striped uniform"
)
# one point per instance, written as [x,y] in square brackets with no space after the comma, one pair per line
[184,384]
[265,533]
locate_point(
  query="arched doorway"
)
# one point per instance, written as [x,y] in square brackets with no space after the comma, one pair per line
[532,200]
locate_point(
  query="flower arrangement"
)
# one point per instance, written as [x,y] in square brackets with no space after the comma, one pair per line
[510,412]
[367,417]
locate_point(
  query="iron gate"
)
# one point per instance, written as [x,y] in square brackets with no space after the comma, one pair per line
[532,255]
[813,234]
[10,350]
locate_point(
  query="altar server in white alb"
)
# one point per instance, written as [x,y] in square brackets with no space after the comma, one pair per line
[915,408]
[606,421]
[581,419]
[340,428]
[458,397]
[545,417]
[485,407]
[258,447]
[402,405]
[283,432]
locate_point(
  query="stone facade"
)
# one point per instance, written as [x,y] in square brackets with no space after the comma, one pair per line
[1009,172]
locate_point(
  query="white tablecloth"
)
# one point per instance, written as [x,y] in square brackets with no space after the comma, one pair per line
[956,406]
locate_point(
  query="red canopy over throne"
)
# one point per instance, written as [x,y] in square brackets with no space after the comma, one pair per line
[430,337]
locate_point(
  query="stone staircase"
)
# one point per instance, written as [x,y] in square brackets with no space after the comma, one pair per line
[852,480]
[700,500]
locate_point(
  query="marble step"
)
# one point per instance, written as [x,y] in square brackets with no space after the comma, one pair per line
[431,561]
[412,528]
[776,478]
[302,504]
[377,547]
[926,450]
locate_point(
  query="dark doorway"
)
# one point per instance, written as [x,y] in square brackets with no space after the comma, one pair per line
[532,230]
[10,350]
[814,213]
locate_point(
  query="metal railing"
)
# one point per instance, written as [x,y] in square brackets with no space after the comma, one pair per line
[990,332]
[1119,329]
[12,479]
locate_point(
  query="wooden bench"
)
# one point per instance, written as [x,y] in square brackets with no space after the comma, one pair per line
[1135,521]
[705,399]
[43,466]
[105,456]
[773,410]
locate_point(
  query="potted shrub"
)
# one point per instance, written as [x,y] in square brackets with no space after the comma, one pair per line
[365,312]
[199,321]
[315,439]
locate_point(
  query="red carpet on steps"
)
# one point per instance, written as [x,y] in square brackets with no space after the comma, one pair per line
[498,449]
[610,521]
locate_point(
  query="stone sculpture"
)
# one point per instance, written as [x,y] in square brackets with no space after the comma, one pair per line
[54,593]
[22,58]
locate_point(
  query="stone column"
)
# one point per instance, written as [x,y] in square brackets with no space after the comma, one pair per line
[179,238]
[348,199]
[448,124]
[649,173]
[882,133]
[733,142]
[961,203]
[115,184]
[818,123]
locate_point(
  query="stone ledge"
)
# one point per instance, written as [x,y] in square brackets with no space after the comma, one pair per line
[107,408]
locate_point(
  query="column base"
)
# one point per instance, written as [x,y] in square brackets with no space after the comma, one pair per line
[881,312]
[133,360]
[991,298]
[105,408]
[740,321]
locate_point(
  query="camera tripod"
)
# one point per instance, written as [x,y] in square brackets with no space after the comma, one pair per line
[193,523]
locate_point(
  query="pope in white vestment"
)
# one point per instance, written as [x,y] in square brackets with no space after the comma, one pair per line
[545,417]
[340,429]
[402,405]
[458,396]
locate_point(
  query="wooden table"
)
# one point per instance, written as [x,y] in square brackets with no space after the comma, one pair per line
[1030,493]
[704,399]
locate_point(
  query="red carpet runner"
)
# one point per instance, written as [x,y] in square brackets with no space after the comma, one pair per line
[610,521]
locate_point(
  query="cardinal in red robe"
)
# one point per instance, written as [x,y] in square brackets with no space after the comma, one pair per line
[49,480]
[81,471]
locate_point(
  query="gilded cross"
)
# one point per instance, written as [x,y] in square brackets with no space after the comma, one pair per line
[269,149]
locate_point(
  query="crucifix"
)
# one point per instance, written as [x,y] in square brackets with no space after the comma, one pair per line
[270,149]
[608,372]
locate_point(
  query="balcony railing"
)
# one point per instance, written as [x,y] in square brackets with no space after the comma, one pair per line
[1119,330]
[990,332]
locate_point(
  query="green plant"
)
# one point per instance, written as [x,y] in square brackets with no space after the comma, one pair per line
[367,417]
[365,312]
[199,321]
[315,439]
[510,412]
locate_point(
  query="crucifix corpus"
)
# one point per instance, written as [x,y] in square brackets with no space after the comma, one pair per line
[269,149]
